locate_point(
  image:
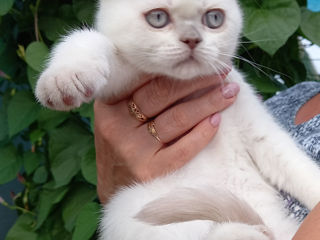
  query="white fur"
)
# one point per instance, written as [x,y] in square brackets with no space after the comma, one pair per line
[218,205]
[251,156]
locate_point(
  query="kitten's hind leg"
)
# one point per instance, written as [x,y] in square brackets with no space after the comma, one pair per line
[77,69]
[239,231]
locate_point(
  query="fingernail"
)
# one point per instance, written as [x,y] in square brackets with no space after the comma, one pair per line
[230,90]
[215,119]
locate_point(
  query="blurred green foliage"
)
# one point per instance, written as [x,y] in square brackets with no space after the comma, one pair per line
[53,152]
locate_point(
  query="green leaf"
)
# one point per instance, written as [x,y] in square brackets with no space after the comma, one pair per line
[22,111]
[49,119]
[86,110]
[269,24]
[54,228]
[3,123]
[10,164]
[36,54]
[76,200]
[67,13]
[36,136]
[65,166]
[310,25]
[263,83]
[298,71]
[84,10]
[87,222]
[9,59]
[88,166]
[53,27]
[32,77]
[67,146]
[32,161]
[40,175]
[3,46]
[48,198]
[23,229]
[5,6]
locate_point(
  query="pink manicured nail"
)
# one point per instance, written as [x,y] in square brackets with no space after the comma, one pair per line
[230,90]
[215,119]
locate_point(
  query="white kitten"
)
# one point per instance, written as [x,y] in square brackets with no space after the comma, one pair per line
[242,169]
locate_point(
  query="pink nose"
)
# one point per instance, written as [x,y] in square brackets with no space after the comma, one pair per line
[191,42]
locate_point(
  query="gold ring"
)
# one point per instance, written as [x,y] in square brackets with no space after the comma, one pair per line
[135,111]
[152,130]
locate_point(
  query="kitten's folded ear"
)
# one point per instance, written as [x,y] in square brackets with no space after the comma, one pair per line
[189,204]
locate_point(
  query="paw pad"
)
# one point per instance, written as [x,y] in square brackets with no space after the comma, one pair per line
[68,100]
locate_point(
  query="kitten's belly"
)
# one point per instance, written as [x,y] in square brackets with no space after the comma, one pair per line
[222,163]
[239,176]
[234,170]
[236,176]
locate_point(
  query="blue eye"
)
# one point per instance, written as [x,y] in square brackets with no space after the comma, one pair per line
[214,18]
[158,18]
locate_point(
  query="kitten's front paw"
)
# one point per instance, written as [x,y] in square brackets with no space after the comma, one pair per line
[66,87]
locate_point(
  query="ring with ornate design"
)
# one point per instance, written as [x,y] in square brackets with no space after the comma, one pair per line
[135,111]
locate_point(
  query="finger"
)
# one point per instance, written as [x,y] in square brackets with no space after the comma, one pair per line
[179,119]
[178,154]
[162,92]
[113,121]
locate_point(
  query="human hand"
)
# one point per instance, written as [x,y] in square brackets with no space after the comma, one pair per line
[126,151]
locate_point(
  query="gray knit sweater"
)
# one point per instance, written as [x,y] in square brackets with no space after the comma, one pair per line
[284,107]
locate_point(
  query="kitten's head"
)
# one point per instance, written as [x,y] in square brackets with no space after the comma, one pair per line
[179,38]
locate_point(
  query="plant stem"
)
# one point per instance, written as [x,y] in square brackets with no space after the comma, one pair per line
[36,22]
[13,207]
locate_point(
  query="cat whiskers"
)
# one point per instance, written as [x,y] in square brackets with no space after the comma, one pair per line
[246,35]
[219,69]
[255,65]
[256,41]
[259,66]
[217,66]
[205,55]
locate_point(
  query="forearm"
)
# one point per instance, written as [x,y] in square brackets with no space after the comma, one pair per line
[111,175]
[310,228]
[105,181]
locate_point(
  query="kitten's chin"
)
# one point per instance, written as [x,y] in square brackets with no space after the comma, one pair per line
[188,74]
[190,69]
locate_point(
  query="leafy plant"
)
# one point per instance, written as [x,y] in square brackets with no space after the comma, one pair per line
[53,152]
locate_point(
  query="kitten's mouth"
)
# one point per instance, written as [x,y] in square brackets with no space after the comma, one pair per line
[188,61]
